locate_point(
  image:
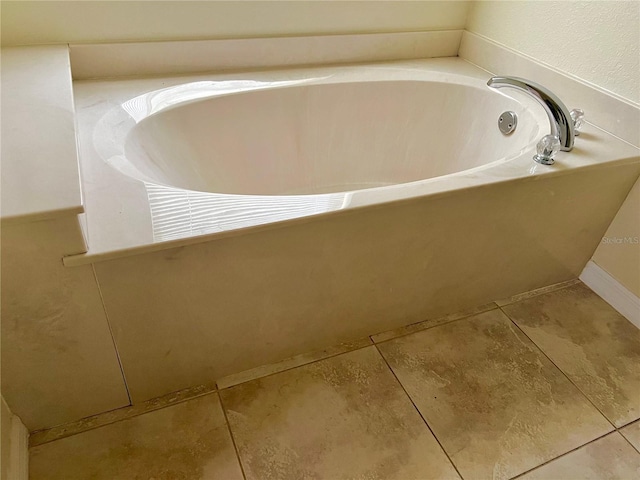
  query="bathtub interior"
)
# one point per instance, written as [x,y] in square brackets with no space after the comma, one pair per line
[328,137]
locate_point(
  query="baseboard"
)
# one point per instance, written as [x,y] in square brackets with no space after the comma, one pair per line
[612,291]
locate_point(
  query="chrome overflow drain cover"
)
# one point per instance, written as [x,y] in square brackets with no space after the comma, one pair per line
[507,122]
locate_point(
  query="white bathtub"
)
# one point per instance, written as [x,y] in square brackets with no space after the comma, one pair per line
[333,134]
[235,220]
[215,156]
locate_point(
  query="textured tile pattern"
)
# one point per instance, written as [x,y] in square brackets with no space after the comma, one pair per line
[186,441]
[343,417]
[610,457]
[632,434]
[588,340]
[495,402]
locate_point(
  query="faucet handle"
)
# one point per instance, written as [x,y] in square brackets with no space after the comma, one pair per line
[577,115]
[547,148]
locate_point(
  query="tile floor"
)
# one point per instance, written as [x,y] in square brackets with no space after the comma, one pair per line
[541,386]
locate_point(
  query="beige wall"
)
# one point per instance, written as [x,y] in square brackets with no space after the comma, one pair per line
[28,23]
[597,42]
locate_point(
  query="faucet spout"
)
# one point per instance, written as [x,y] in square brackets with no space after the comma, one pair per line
[559,116]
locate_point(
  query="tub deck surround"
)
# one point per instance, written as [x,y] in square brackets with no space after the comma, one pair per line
[185,315]
[145,210]
[609,111]
[40,176]
[58,358]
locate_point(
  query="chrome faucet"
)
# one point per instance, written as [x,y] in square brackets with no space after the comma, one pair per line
[559,116]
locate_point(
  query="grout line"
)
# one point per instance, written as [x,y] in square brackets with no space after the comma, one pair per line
[559,369]
[615,428]
[115,346]
[199,392]
[563,455]
[637,420]
[145,407]
[628,423]
[400,335]
[418,410]
[295,366]
[125,416]
[444,322]
[629,442]
[233,440]
[536,292]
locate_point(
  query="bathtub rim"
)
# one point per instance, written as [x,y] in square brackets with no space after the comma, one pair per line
[90,257]
[612,152]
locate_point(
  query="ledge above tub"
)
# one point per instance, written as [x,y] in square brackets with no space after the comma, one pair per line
[40,177]
[95,61]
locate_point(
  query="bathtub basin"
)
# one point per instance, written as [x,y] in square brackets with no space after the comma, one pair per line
[332,134]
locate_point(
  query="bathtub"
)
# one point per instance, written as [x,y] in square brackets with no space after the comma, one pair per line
[321,135]
[234,220]
[221,155]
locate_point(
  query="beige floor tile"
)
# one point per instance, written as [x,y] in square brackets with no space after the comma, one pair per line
[632,433]
[497,405]
[342,417]
[185,441]
[594,345]
[607,458]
